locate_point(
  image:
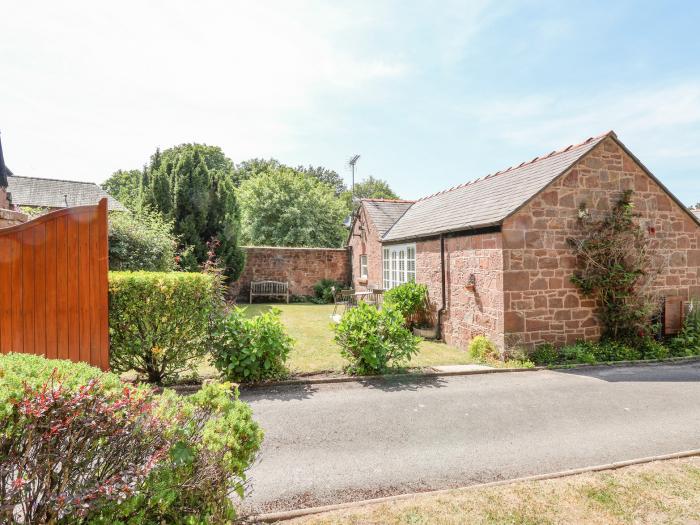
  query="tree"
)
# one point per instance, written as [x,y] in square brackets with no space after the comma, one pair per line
[374,189]
[191,186]
[288,208]
[326,176]
[141,241]
[253,167]
[125,186]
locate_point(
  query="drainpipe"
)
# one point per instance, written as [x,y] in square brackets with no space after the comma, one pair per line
[442,279]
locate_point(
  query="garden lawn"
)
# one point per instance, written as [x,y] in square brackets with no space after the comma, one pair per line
[661,492]
[315,350]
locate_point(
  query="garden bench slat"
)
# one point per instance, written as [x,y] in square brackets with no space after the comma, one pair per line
[269,289]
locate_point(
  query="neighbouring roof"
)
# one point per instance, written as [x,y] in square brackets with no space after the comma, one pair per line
[696,212]
[487,201]
[55,193]
[385,212]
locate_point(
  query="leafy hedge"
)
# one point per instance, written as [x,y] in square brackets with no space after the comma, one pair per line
[252,349]
[324,290]
[144,458]
[374,340]
[159,322]
[141,242]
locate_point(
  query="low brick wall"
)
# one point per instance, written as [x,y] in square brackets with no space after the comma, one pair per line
[11,218]
[301,267]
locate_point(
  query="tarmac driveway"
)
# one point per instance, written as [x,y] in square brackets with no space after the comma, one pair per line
[334,443]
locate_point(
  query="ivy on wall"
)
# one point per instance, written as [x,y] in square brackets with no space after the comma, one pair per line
[616,266]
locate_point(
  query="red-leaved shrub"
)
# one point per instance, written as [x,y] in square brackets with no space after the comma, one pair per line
[69,452]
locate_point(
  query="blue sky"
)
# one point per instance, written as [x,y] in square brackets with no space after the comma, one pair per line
[431,94]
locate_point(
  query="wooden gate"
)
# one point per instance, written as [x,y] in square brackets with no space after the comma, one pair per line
[53,286]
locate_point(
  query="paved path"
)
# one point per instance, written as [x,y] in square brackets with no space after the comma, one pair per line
[335,443]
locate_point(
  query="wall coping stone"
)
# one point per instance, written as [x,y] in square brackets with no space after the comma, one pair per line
[319,248]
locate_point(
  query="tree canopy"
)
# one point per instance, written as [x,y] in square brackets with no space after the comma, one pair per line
[374,189]
[287,208]
[125,186]
[253,167]
[191,185]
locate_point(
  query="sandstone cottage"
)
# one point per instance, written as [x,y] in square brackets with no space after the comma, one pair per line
[494,252]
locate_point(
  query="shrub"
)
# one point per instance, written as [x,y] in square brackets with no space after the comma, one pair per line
[159,322]
[482,349]
[411,300]
[545,355]
[33,371]
[143,458]
[616,268]
[251,349]
[374,340]
[580,352]
[141,242]
[324,290]
[687,343]
[213,442]
[65,453]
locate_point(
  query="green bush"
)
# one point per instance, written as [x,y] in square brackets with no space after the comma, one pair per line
[214,440]
[374,340]
[411,300]
[545,355]
[482,349]
[205,443]
[159,322]
[251,349]
[687,343]
[324,289]
[141,242]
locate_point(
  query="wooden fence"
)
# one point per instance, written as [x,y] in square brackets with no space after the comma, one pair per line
[53,286]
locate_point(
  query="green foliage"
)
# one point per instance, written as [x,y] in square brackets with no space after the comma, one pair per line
[325,288]
[545,354]
[214,440]
[254,167]
[688,341]
[374,340]
[326,176]
[481,348]
[287,208]
[372,188]
[411,299]
[251,349]
[158,322]
[142,241]
[125,186]
[191,186]
[211,440]
[18,370]
[615,268]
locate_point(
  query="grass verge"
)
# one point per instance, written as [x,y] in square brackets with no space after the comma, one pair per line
[660,492]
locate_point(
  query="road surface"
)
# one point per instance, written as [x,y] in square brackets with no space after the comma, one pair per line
[342,442]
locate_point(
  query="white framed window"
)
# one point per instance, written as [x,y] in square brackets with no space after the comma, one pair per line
[363,267]
[398,264]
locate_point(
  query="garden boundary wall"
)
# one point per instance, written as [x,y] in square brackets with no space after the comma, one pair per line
[302,268]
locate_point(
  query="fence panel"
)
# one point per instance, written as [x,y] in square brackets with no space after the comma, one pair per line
[53,286]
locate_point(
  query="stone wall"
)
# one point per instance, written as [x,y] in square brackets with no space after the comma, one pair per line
[541,303]
[469,313]
[4,203]
[364,240]
[301,267]
[11,218]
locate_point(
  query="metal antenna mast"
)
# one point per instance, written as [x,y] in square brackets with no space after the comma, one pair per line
[353,160]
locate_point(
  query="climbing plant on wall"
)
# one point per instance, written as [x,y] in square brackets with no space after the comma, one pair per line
[616,266]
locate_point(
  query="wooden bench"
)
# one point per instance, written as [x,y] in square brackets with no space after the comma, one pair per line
[269,289]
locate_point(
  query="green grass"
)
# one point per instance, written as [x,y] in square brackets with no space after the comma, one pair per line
[660,492]
[315,350]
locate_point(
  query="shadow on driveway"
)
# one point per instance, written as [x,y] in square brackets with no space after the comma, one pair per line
[682,372]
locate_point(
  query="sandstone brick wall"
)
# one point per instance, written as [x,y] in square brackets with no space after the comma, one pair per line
[4,204]
[301,267]
[540,302]
[365,241]
[468,313]
[11,218]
